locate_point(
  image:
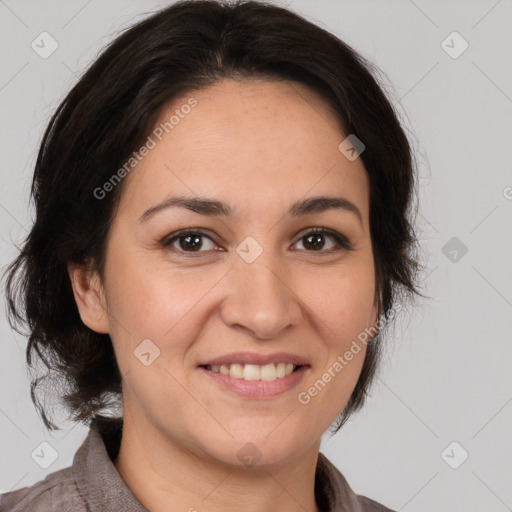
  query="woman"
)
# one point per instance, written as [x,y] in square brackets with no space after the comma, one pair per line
[222,227]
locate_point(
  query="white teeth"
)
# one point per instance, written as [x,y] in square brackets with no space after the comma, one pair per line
[236,371]
[251,372]
[267,372]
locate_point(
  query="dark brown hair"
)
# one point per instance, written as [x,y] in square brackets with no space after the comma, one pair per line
[110,112]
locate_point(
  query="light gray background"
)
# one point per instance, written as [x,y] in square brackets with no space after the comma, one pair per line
[446,375]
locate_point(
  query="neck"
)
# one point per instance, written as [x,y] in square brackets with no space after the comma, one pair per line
[165,476]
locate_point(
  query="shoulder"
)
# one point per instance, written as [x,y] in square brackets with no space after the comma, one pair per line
[336,493]
[57,492]
[368,505]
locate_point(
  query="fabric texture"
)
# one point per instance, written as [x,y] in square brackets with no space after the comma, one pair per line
[93,484]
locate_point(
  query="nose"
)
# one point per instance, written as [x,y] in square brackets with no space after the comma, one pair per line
[260,299]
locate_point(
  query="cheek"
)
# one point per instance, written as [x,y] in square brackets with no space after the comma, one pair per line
[167,306]
[147,298]
[341,306]
[342,300]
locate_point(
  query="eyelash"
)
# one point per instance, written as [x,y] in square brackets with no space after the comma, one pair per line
[341,241]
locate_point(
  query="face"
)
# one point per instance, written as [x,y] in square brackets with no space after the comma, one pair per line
[273,280]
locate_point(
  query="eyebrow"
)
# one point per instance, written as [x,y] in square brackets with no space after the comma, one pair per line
[213,207]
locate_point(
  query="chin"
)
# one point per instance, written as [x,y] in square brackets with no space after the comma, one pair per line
[259,449]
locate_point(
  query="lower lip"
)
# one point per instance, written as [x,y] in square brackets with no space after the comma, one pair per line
[257,388]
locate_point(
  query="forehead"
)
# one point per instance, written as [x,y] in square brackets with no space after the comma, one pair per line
[250,141]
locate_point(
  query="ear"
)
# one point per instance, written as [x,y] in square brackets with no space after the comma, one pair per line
[89,297]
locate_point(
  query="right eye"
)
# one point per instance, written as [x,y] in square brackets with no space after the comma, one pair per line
[187,241]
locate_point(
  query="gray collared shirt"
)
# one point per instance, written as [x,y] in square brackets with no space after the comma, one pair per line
[93,484]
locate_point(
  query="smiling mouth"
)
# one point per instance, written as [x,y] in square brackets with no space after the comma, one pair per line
[268,372]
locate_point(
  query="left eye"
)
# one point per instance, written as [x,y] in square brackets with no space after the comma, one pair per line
[314,240]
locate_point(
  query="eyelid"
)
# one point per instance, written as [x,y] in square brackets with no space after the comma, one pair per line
[169,239]
[343,243]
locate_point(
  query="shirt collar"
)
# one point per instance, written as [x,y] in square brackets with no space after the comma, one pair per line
[332,491]
[103,488]
[97,478]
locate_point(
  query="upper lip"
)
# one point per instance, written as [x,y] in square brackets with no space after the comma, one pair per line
[258,359]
